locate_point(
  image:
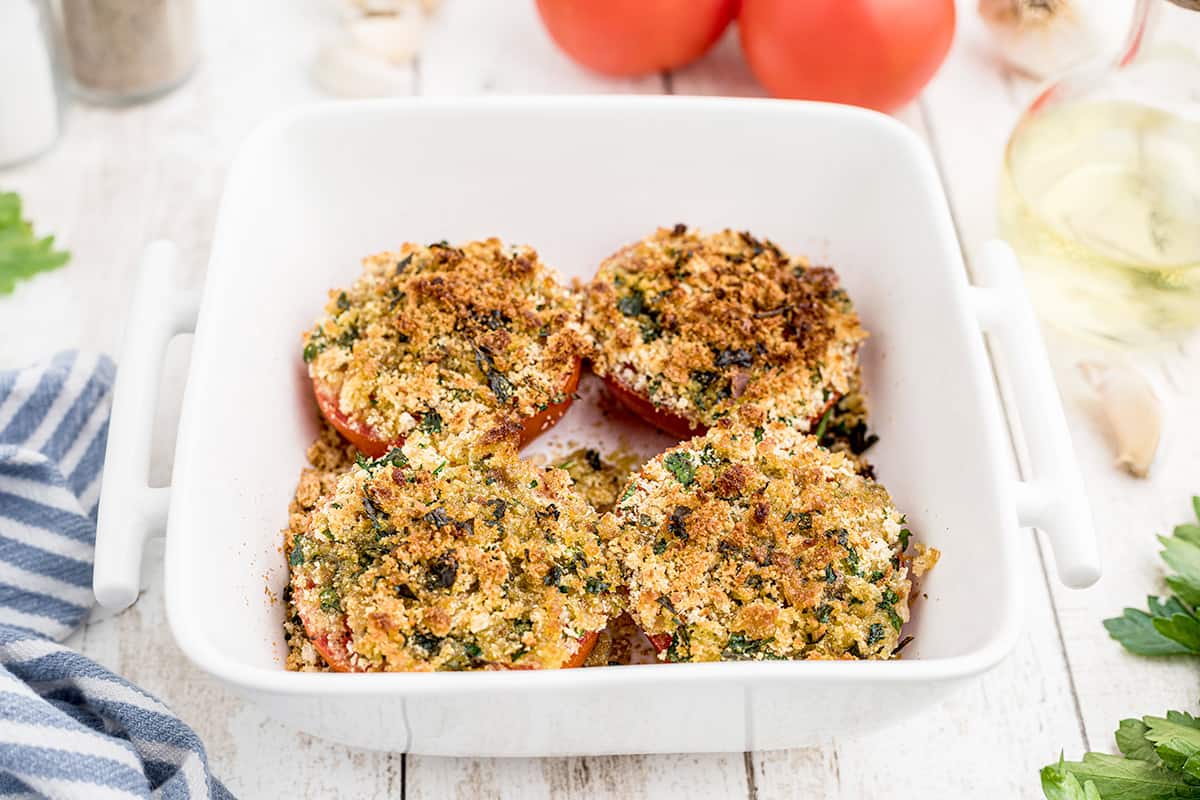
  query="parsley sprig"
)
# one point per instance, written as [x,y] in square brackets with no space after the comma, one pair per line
[1171,626]
[1160,756]
[23,255]
[1160,761]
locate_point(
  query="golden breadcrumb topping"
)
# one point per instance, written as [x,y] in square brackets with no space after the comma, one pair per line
[446,336]
[702,324]
[419,561]
[761,544]
[599,478]
[328,456]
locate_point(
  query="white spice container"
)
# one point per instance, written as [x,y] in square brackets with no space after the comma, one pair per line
[30,104]
[127,51]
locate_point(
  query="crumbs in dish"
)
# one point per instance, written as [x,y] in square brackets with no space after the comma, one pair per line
[428,560]
[446,338]
[695,325]
[757,543]
[419,540]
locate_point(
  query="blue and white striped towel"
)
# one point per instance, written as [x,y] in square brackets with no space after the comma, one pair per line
[68,727]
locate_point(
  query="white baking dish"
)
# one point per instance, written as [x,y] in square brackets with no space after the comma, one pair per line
[315,190]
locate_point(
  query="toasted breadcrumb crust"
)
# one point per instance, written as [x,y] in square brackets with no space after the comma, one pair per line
[761,545]
[446,337]
[701,324]
[328,456]
[598,478]
[417,562]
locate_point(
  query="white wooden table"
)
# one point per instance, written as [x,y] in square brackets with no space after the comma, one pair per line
[121,178]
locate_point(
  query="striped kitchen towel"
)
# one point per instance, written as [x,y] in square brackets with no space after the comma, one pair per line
[68,727]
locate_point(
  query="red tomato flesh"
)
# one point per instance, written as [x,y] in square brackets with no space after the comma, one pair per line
[665,421]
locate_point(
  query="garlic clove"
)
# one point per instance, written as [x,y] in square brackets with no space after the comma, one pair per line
[396,38]
[1132,412]
[345,69]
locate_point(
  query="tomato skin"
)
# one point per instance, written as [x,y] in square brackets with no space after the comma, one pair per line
[660,641]
[373,445]
[359,435]
[544,420]
[665,421]
[635,37]
[873,53]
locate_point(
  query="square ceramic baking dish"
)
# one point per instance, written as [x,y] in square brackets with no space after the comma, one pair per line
[315,190]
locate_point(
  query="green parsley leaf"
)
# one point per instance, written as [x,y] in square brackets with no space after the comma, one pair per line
[22,254]
[1136,631]
[1132,741]
[1115,777]
[431,422]
[1059,784]
[1176,738]
[681,466]
[1170,626]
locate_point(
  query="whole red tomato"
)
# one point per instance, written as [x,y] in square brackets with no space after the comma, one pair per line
[634,37]
[874,53]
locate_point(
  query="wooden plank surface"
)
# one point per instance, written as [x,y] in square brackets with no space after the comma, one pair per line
[120,178]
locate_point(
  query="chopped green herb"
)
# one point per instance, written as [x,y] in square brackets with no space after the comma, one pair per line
[851,561]
[680,465]
[427,642]
[676,524]
[660,547]
[431,422]
[329,599]
[395,457]
[632,304]
[874,633]
[740,647]
[820,432]
[595,586]
[343,302]
[443,571]
[296,557]
[758,433]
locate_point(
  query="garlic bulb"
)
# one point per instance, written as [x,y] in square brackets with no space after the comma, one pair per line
[1046,37]
[1131,410]
[369,55]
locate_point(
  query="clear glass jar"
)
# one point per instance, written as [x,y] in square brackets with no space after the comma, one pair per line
[1101,189]
[31,96]
[128,51]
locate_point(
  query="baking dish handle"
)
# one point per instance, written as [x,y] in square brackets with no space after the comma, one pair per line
[1053,498]
[131,511]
